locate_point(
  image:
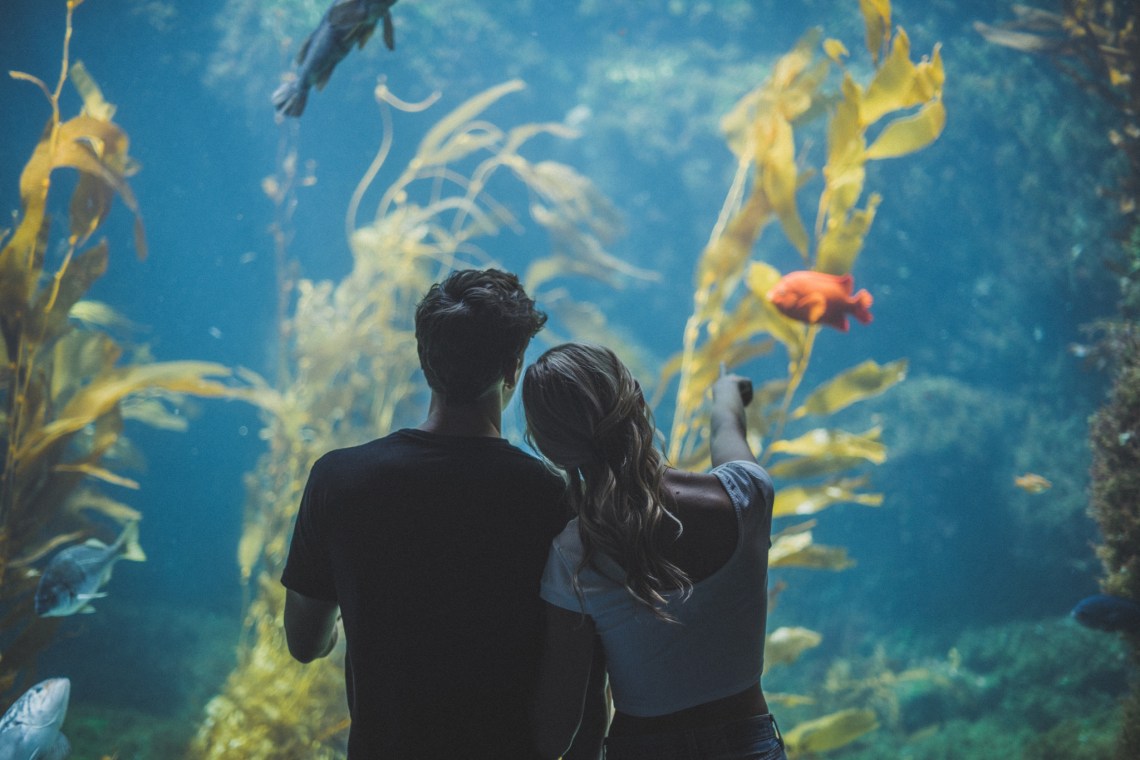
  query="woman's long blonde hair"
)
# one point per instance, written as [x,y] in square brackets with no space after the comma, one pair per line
[586,414]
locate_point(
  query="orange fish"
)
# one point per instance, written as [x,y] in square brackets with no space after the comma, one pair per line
[820,298]
[1032,482]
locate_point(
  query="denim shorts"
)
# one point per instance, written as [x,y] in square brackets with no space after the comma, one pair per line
[756,738]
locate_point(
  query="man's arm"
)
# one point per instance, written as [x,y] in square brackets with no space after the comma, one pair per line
[563,681]
[595,712]
[310,626]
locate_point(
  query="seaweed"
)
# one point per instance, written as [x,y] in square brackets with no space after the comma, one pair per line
[350,371]
[1096,43]
[66,387]
[734,323]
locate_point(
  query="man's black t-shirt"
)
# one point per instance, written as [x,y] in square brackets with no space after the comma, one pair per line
[433,546]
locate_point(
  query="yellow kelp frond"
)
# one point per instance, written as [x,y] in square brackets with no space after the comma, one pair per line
[835,50]
[784,645]
[787,700]
[453,136]
[760,280]
[726,254]
[86,499]
[900,83]
[842,240]
[798,551]
[807,500]
[93,103]
[877,20]
[573,195]
[844,173]
[98,149]
[779,178]
[911,133]
[788,91]
[830,732]
[802,468]
[155,412]
[101,315]
[76,357]
[577,252]
[856,384]
[825,444]
[103,393]
[49,316]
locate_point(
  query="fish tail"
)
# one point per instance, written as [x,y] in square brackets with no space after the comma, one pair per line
[129,543]
[861,302]
[290,98]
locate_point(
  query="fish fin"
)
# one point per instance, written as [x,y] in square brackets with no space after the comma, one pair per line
[86,609]
[815,306]
[347,14]
[94,543]
[389,31]
[304,49]
[322,79]
[59,749]
[289,99]
[364,35]
[846,282]
[861,306]
[96,595]
[129,544]
[838,321]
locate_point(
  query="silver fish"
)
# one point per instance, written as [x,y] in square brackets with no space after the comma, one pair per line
[345,23]
[75,575]
[31,727]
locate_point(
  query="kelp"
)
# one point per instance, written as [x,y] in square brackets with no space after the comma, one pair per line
[351,372]
[1096,43]
[830,732]
[66,387]
[897,112]
[784,645]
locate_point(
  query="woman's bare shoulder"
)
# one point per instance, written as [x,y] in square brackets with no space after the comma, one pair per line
[695,490]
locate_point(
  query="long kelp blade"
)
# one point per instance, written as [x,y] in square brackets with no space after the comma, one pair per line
[856,384]
[798,550]
[825,444]
[910,133]
[810,499]
[103,393]
[49,316]
[831,731]
[429,147]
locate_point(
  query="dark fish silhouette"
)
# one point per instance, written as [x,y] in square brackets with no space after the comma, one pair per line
[345,23]
[1108,613]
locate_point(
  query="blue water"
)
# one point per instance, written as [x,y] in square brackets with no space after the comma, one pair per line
[985,262]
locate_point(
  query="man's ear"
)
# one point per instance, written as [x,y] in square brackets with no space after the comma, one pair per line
[511,373]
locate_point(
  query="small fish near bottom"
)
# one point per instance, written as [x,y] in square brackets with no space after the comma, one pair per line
[31,727]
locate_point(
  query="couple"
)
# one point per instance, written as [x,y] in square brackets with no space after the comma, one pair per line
[432,543]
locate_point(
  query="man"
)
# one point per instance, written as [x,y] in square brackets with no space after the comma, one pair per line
[431,542]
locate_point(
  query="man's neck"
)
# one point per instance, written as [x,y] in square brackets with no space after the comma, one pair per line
[482,418]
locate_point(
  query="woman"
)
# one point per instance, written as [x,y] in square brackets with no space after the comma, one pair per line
[667,568]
